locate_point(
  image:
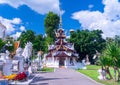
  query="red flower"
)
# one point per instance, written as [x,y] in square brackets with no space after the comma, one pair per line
[20,76]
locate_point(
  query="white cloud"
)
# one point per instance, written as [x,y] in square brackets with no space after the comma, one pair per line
[40,6]
[108,21]
[11,24]
[22,28]
[68,37]
[16,35]
[90,6]
[16,21]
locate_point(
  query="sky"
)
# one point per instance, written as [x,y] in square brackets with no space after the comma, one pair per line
[21,15]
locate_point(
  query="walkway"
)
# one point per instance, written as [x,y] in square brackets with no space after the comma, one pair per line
[62,76]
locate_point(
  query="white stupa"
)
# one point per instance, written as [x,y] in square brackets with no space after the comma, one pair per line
[2,31]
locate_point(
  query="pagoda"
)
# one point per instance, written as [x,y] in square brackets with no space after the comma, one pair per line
[61,53]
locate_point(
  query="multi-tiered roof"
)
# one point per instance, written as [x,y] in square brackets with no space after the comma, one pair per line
[61,48]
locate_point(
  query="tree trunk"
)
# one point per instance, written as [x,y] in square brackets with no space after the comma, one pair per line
[108,71]
[118,74]
[115,74]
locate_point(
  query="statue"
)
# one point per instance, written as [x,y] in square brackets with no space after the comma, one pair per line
[87,60]
[102,74]
[38,62]
[96,56]
[83,64]
[27,52]
[20,58]
[7,55]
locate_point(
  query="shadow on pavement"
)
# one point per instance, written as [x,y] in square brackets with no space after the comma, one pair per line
[38,80]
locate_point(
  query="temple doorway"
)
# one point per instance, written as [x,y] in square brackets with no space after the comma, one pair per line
[61,61]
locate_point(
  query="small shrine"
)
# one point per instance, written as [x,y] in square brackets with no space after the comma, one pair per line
[61,53]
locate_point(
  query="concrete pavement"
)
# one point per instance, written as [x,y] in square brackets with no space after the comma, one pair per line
[62,76]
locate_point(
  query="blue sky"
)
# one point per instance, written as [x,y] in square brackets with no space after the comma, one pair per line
[19,15]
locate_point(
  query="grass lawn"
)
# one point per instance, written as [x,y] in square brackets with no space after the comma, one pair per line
[92,72]
[45,69]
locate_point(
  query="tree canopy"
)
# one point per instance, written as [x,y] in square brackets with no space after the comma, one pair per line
[26,36]
[51,23]
[87,42]
[39,43]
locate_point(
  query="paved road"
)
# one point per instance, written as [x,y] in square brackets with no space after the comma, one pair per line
[62,76]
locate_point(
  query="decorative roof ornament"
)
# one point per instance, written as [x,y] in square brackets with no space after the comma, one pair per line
[60,24]
[71,30]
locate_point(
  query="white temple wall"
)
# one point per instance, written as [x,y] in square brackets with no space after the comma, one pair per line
[74,61]
[67,61]
[52,62]
[67,64]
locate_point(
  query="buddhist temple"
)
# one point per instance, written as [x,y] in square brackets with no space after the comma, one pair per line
[61,53]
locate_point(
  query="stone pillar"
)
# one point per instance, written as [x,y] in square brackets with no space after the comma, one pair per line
[65,62]
[58,62]
[68,61]
[74,62]
[53,62]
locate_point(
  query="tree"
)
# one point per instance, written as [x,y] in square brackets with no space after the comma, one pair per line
[2,43]
[117,39]
[113,51]
[111,57]
[51,24]
[26,36]
[106,63]
[87,42]
[39,43]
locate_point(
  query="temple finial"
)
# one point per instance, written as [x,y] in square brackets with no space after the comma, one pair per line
[60,25]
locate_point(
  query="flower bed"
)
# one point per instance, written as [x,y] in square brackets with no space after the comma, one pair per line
[19,76]
[11,77]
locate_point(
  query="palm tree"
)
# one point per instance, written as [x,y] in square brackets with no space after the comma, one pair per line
[113,51]
[106,62]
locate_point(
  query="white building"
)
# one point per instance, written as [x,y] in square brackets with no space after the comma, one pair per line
[62,53]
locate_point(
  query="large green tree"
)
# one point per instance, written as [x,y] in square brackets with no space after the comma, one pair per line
[87,42]
[38,41]
[51,24]
[26,36]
